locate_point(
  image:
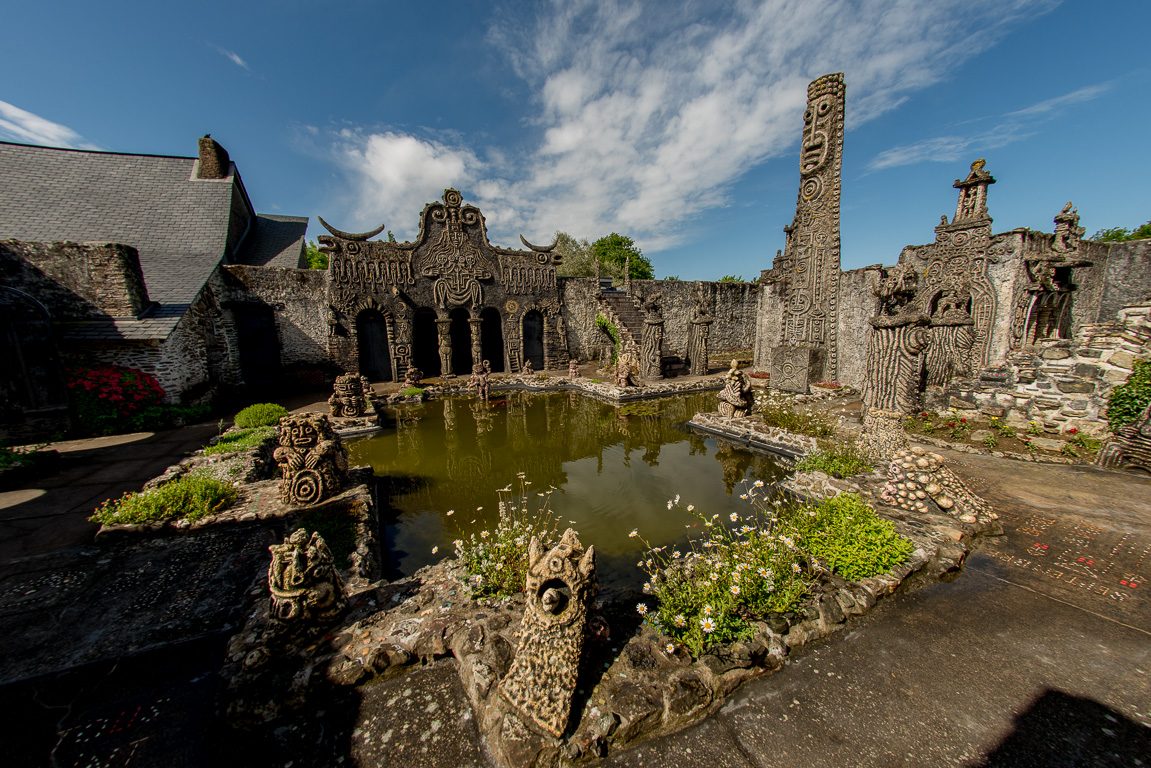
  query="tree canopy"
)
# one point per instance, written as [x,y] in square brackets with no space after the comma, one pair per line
[316,260]
[579,257]
[1122,234]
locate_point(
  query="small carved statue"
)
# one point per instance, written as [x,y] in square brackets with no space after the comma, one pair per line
[479,380]
[736,399]
[626,370]
[527,370]
[896,289]
[561,585]
[350,398]
[573,369]
[312,459]
[303,580]
[413,376]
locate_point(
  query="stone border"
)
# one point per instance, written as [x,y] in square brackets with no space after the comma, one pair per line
[604,392]
[748,431]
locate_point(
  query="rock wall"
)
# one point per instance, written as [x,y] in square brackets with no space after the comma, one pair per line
[299,301]
[76,281]
[857,305]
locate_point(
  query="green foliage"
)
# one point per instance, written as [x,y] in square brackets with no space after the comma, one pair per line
[1081,440]
[613,251]
[1122,234]
[191,497]
[260,415]
[1126,402]
[778,410]
[240,440]
[1034,428]
[10,456]
[672,278]
[497,559]
[608,327]
[850,538]
[112,399]
[957,429]
[411,391]
[731,279]
[316,259]
[336,526]
[576,257]
[991,441]
[840,460]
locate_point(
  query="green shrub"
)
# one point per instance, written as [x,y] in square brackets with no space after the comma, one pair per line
[840,460]
[779,410]
[608,327]
[1126,402]
[411,391]
[189,498]
[850,538]
[497,559]
[240,440]
[106,400]
[991,441]
[260,415]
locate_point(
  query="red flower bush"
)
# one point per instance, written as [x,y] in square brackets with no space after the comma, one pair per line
[106,398]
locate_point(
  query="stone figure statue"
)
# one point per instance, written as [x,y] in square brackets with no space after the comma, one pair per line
[573,369]
[350,398]
[479,380]
[736,399]
[413,376]
[312,459]
[303,580]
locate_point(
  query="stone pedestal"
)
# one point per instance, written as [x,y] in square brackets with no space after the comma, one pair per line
[793,368]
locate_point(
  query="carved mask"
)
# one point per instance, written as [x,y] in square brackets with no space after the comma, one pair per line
[818,130]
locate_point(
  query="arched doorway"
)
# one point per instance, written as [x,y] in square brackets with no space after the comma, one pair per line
[375,354]
[461,335]
[425,342]
[534,339]
[492,338]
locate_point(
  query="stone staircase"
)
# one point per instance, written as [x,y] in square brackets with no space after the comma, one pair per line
[620,308]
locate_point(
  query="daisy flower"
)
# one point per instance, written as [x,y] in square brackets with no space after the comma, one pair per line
[435,550]
[670,648]
[707,610]
[679,620]
[734,517]
[634,533]
[735,589]
[795,567]
[451,512]
[707,625]
[641,609]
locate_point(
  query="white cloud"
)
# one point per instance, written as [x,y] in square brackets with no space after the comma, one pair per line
[232,56]
[21,126]
[648,111]
[1012,126]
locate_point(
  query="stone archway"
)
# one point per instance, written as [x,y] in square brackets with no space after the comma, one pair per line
[492,338]
[375,352]
[425,342]
[460,333]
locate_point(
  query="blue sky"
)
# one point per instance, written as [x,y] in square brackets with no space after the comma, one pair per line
[672,122]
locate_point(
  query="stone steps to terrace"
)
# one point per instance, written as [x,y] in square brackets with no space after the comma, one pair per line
[628,318]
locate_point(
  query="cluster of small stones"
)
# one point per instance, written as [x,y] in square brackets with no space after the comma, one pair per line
[919,481]
[817,485]
[643,689]
[752,431]
[1063,384]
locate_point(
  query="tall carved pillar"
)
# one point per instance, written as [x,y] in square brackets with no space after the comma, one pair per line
[477,344]
[697,346]
[444,333]
[893,362]
[949,354]
[651,361]
[810,263]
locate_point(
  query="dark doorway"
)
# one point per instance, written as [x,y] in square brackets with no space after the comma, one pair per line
[375,353]
[32,389]
[259,344]
[534,339]
[492,338]
[425,342]
[461,333]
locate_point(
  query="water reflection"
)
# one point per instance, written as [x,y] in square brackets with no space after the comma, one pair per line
[612,472]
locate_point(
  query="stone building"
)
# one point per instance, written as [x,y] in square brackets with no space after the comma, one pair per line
[110,258]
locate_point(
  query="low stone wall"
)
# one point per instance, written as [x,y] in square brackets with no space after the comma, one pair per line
[1063,384]
[751,431]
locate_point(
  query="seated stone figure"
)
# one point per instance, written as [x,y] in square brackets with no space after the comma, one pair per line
[350,398]
[312,459]
[736,399]
[573,369]
[303,580]
[626,371]
[413,376]
[526,370]
[479,380]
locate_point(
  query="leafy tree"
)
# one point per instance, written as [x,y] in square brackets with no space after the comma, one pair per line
[614,250]
[672,277]
[731,279]
[577,256]
[1122,234]
[316,260]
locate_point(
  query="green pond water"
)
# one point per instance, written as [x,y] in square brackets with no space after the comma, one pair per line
[611,472]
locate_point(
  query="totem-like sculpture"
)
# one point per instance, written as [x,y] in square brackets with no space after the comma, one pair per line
[626,370]
[736,400]
[883,434]
[1130,446]
[697,337]
[952,335]
[919,480]
[312,459]
[899,337]
[305,587]
[651,343]
[350,398]
[573,369]
[526,369]
[413,376]
[561,585]
[479,380]
[810,263]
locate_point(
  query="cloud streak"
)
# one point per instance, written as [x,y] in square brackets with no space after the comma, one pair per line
[232,56]
[1011,127]
[26,128]
[645,113]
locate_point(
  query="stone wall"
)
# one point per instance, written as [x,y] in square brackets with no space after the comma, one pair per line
[1062,383]
[76,281]
[299,300]
[1128,277]
[580,308]
[768,321]
[857,305]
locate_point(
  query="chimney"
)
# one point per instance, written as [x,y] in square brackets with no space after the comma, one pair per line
[214,161]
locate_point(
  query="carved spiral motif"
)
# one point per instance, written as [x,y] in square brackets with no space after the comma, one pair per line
[452,198]
[511,306]
[351,248]
[960,238]
[812,188]
[307,487]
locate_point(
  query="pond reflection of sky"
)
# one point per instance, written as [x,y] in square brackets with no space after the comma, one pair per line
[611,472]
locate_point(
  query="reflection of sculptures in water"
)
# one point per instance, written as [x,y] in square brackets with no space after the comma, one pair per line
[449,414]
[482,414]
[698,444]
[735,463]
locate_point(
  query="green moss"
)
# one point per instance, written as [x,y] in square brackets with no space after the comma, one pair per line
[189,498]
[850,538]
[240,440]
[840,460]
[411,391]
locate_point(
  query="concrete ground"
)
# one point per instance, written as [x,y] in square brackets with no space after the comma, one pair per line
[1037,654]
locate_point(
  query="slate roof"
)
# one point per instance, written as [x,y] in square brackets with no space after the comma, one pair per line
[275,241]
[178,224]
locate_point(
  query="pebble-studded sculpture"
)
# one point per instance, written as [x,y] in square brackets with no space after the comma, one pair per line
[350,398]
[626,370]
[312,459]
[413,376]
[919,481]
[573,369]
[479,380]
[303,580]
[736,399]
[561,585]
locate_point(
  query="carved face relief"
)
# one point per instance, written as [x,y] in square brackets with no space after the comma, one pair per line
[301,434]
[818,133]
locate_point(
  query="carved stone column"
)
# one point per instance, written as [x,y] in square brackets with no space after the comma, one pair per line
[893,362]
[477,343]
[651,361]
[444,332]
[949,355]
[697,347]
